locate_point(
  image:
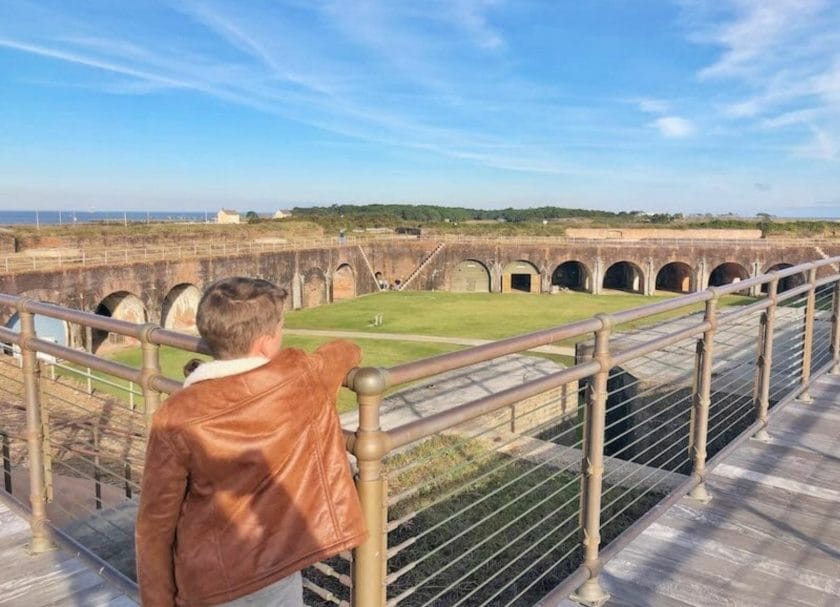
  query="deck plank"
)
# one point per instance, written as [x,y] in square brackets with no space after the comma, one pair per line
[52,579]
[770,535]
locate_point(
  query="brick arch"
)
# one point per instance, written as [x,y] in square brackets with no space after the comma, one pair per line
[179,306]
[470,276]
[520,275]
[343,282]
[314,288]
[675,276]
[121,305]
[624,276]
[786,283]
[726,273]
[572,274]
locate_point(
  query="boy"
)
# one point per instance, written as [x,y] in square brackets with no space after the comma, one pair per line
[246,479]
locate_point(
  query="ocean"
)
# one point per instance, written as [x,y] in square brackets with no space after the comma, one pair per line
[9,218]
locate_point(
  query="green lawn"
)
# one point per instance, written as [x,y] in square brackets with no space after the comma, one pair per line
[478,315]
[484,316]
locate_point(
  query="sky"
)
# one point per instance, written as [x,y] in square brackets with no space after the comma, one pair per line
[686,106]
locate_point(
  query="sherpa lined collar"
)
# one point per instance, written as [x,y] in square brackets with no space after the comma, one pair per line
[216,369]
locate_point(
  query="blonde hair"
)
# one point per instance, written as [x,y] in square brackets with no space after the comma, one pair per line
[233,312]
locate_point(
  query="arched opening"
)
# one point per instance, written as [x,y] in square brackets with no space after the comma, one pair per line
[179,307]
[727,273]
[675,277]
[520,277]
[572,275]
[121,305]
[786,283]
[470,276]
[49,329]
[624,276]
[343,283]
[314,288]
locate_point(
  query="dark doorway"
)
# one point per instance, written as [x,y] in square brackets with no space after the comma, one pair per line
[520,282]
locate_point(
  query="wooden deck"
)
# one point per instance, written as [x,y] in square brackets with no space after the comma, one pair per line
[55,578]
[770,537]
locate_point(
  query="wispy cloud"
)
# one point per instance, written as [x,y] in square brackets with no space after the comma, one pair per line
[650,105]
[783,58]
[410,95]
[674,127]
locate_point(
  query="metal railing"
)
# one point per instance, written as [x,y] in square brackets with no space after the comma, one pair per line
[512,484]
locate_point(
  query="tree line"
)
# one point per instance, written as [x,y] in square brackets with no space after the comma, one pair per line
[430,213]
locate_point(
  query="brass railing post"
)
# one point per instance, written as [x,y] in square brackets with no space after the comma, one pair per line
[765,360]
[591,593]
[38,521]
[702,400]
[808,338]
[835,330]
[151,368]
[370,559]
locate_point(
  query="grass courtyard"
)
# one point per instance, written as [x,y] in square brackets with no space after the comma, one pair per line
[463,315]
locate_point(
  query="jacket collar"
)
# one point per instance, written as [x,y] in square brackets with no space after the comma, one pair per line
[216,369]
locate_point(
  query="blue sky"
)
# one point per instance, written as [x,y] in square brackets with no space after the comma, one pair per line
[685,106]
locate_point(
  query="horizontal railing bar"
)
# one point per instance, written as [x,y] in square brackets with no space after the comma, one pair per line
[421,428]
[660,342]
[166,337]
[7,335]
[84,358]
[821,282]
[97,321]
[743,311]
[793,292]
[661,307]
[455,360]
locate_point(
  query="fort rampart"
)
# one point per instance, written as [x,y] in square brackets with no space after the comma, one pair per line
[166,292]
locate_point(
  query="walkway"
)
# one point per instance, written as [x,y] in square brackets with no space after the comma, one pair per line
[55,578]
[769,537]
[461,341]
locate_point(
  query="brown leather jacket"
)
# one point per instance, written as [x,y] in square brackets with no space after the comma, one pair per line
[246,481]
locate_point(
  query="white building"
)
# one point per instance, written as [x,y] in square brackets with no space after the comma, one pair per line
[227,216]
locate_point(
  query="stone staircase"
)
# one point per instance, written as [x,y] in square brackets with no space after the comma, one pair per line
[419,268]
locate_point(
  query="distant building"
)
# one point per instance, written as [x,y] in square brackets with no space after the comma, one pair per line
[227,216]
[281,214]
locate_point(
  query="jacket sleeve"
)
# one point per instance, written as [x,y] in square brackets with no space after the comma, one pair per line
[334,360]
[162,492]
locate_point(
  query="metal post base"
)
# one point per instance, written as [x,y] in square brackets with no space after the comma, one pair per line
[700,494]
[590,594]
[761,436]
[805,397]
[40,545]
